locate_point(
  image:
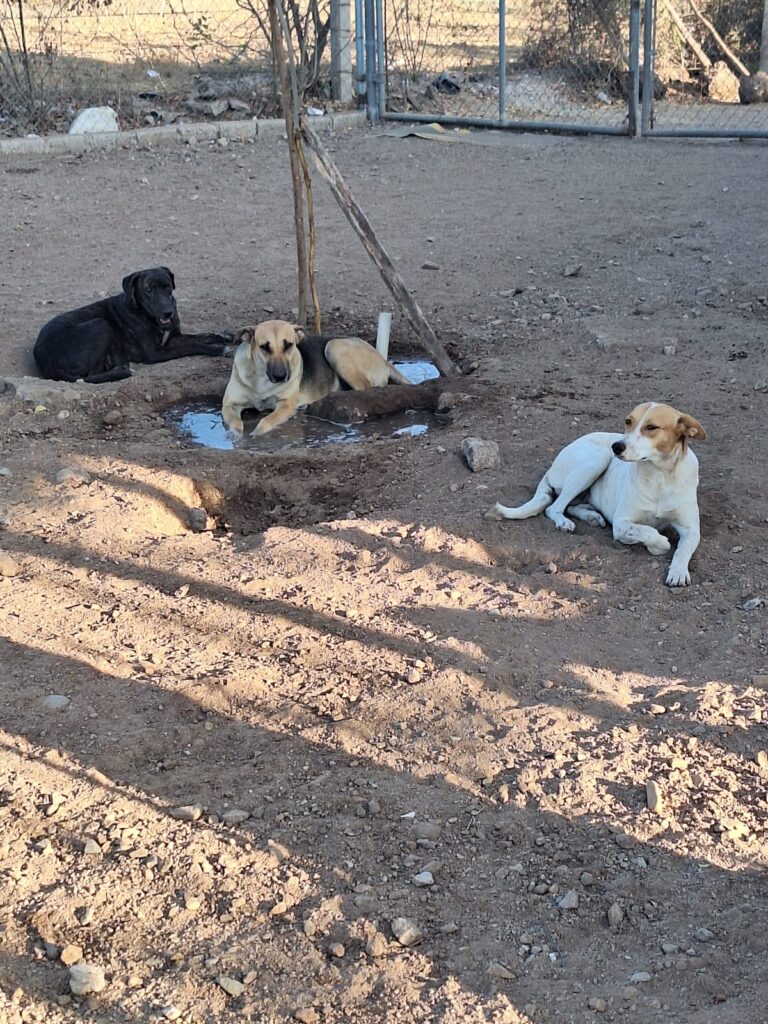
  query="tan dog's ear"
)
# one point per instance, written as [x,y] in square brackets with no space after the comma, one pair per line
[300,332]
[245,335]
[687,427]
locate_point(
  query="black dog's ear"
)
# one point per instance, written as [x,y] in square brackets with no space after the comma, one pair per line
[169,272]
[129,286]
[246,335]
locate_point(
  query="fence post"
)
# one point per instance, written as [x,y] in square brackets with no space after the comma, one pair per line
[634,69]
[649,71]
[359,52]
[502,60]
[341,52]
[371,97]
[381,69]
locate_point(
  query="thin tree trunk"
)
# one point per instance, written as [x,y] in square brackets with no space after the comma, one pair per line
[291,114]
[375,250]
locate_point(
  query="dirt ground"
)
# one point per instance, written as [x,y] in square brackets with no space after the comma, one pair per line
[351,677]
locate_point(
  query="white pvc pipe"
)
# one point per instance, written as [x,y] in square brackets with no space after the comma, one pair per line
[382,335]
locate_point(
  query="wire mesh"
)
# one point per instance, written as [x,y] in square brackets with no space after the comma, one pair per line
[152,61]
[566,60]
[707,59]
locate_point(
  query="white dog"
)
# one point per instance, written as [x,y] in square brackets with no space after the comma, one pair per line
[638,481]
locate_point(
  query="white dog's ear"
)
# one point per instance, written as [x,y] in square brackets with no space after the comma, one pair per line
[687,426]
[245,335]
[299,332]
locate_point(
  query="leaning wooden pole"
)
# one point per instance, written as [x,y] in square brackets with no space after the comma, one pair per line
[290,113]
[734,63]
[375,250]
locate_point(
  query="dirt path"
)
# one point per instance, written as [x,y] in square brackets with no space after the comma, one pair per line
[420,713]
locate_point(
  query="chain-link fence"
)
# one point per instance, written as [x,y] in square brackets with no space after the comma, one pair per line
[574,64]
[152,61]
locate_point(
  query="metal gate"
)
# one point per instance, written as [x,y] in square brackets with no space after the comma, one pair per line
[570,65]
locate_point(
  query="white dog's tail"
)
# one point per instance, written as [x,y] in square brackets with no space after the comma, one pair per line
[541,499]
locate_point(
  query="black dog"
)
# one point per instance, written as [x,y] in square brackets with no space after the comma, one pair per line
[97,342]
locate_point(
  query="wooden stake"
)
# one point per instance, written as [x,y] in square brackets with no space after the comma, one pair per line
[357,218]
[290,114]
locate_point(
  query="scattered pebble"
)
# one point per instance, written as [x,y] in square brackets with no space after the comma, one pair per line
[91,848]
[654,797]
[9,567]
[615,915]
[188,812]
[413,676]
[72,476]
[573,270]
[406,931]
[570,901]
[231,986]
[703,935]
[170,1012]
[86,978]
[640,977]
[586,878]
[669,948]
[306,1014]
[70,955]
[480,454]
[424,878]
[377,946]
[497,970]
[337,949]
[597,1004]
[235,816]
[429,265]
[56,702]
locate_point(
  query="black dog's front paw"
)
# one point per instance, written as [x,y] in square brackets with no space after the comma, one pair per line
[226,337]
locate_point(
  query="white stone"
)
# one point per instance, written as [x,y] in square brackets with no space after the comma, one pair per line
[94,120]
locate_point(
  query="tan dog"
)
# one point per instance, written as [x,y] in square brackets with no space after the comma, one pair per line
[278,367]
[639,482]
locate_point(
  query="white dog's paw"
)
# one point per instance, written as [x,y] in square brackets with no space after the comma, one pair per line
[561,523]
[678,577]
[658,547]
[594,519]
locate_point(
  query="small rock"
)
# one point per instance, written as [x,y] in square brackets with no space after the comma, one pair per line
[198,520]
[170,1012]
[669,948]
[94,120]
[424,878]
[56,702]
[337,949]
[9,567]
[72,476]
[570,901]
[657,709]
[654,797]
[615,915]
[112,418]
[406,931]
[670,349]
[235,816]
[644,309]
[429,265]
[191,902]
[52,951]
[703,935]
[449,928]
[306,1014]
[497,970]
[640,977]
[189,812]
[91,848]
[231,986]
[586,878]
[753,603]
[754,88]
[413,676]
[760,681]
[377,946]
[761,759]
[597,1004]
[624,841]
[70,955]
[480,454]
[427,830]
[86,978]
[573,270]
